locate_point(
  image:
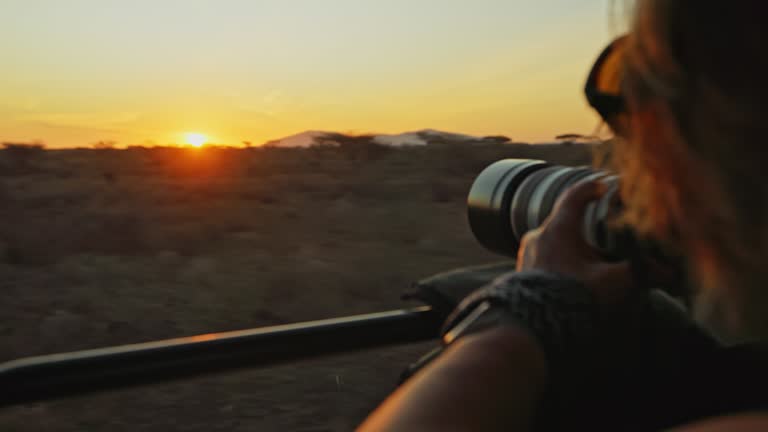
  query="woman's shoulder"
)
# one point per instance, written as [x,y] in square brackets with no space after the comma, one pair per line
[748,422]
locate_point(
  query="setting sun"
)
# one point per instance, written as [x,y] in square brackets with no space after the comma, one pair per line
[195,139]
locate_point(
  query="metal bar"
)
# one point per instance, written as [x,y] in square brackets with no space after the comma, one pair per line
[46,377]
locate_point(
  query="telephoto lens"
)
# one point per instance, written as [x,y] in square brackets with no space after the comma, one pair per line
[513,196]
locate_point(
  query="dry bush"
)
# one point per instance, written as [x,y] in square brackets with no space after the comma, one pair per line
[20,157]
[37,241]
[104,145]
[5,195]
[109,177]
[444,191]
[262,196]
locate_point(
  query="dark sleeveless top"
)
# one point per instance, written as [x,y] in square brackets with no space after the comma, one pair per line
[729,380]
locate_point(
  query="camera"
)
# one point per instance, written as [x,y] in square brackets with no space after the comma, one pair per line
[513,196]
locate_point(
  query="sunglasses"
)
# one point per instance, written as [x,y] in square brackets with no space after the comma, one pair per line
[603,88]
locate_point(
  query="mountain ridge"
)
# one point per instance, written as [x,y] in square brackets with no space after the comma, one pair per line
[422,137]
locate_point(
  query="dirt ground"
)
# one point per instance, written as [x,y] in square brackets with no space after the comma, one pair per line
[105,247]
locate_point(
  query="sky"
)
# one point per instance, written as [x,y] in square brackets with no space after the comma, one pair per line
[76,72]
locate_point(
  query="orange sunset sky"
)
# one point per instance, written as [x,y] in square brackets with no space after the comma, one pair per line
[80,71]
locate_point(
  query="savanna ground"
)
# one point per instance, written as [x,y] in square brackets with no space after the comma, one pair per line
[105,247]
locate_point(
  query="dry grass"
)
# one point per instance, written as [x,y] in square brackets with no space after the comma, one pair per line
[102,247]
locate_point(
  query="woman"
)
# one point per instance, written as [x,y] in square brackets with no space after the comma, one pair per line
[690,117]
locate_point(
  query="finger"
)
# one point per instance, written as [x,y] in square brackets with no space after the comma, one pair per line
[526,243]
[567,218]
[573,203]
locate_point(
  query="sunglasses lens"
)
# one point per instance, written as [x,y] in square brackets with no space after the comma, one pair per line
[609,71]
[604,84]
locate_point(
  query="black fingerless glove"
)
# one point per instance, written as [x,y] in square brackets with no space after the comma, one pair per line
[559,312]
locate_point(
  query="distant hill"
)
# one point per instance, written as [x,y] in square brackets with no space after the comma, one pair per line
[303,139]
[416,138]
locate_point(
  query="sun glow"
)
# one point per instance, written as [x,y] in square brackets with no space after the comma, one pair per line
[195,139]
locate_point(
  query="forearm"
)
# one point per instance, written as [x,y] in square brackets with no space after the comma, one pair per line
[492,380]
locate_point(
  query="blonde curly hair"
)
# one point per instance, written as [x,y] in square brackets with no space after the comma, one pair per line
[693,165]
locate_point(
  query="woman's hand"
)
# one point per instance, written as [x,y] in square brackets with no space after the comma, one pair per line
[559,246]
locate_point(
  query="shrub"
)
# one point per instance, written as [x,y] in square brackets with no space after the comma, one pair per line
[449,191]
[109,177]
[21,156]
[104,145]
